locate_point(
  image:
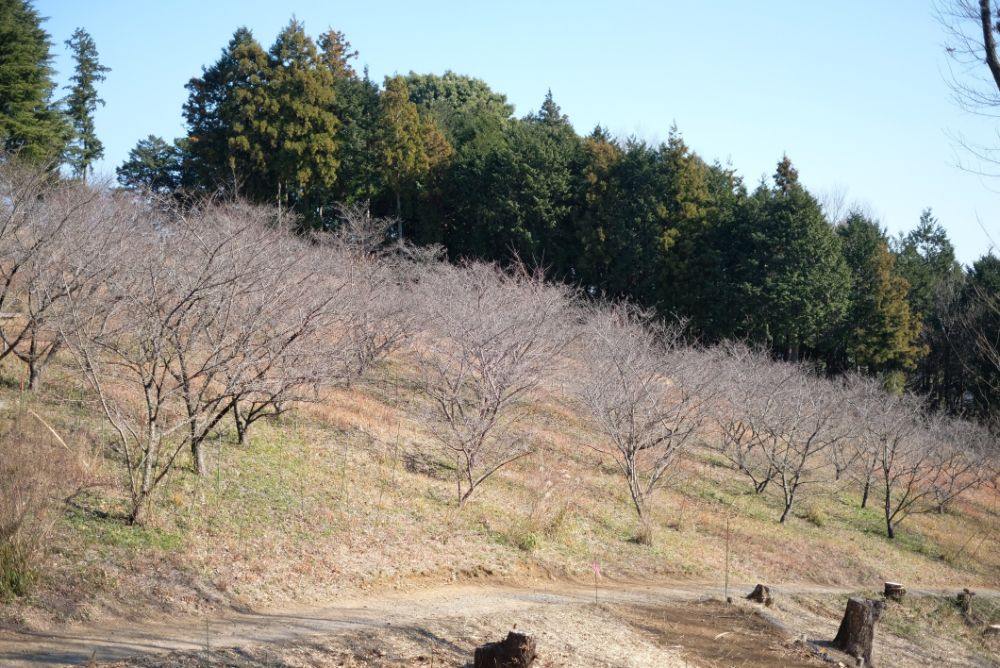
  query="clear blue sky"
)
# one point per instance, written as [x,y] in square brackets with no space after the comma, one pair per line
[853,91]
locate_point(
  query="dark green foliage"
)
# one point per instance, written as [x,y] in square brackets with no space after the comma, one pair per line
[153,165]
[457,103]
[262,124]
[926,259]
[792,282]
[297,126]
[880,333]
[224,112]
[82,103]
[980,312]
[355,106]
[410,150]
[29,123]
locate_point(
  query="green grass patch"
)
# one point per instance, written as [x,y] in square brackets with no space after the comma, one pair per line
[110,533]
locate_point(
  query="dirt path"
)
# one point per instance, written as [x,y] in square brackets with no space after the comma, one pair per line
[419,609]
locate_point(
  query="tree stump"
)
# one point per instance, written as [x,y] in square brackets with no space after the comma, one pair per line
[761,594]
[857,630]
[894,591]
[965,602]
[516,651]
[992,630]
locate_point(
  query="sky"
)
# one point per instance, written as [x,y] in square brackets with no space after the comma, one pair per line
[855,92]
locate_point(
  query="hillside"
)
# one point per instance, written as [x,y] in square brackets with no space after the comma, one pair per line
[204,410]
[342,496]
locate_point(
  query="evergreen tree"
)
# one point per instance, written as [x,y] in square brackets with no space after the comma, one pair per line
[228,147]
[880,332]
[154,165]
[29,124]
[336,54]
[926,259]
[547,156]
[408,148]
[981,328]
[82,102]
[600,157]
[459,104]
[355,106]
[793,282]
[686,201]
[299,123]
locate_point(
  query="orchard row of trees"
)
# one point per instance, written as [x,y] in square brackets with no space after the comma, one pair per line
[191,323]
[296,126]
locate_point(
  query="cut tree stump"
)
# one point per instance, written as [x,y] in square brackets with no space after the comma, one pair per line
[517,650]
[761,594]
[965,601]
[894,591]
[992,630]
[857,630]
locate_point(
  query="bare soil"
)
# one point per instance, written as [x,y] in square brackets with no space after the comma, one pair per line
[629,625]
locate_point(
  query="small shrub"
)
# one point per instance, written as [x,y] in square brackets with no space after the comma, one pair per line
[817,516]
[644,536]
[17,573]
[527,541]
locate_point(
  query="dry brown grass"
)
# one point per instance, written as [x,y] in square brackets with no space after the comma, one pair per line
[348,493]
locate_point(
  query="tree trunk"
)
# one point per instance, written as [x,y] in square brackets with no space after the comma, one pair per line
[241,425]
[894,591]
[516,651]
[857,630]
[761,594]
[198,456]
[889,531]
[865,493]
[965,602]
[399,216]
[140,506]
[34,376]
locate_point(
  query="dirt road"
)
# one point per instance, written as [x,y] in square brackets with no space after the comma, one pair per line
[412,610]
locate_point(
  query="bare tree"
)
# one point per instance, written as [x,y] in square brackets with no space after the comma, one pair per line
[488,338]
[55,240]
[808,424]
[865,400]
[750,387]
[195,319]
[896,432]
[377,317]
[958,458]
[971,28]
[644,391]
[260,341]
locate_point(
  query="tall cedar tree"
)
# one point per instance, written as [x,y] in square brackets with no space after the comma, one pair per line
[301,128]
[926,259]
[980,303]
[29,123]
[408,148]
[880,333]
[85,148]
[793,281]
[227,147]
[356,108]
[548,155]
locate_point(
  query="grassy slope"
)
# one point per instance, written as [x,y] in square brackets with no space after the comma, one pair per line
[348,493]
